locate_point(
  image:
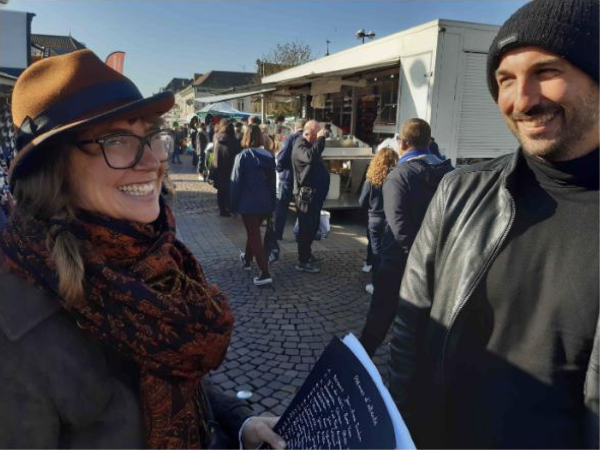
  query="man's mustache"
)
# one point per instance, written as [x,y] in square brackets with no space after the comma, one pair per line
[536,111]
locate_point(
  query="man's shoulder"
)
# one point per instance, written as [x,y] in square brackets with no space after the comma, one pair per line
[482,169]
[300,144]
[292,137]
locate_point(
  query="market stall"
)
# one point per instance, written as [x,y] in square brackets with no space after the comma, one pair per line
[223,110]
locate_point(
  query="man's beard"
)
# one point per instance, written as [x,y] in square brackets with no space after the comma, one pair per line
[578,123]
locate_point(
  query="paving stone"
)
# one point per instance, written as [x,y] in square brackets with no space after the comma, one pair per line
[297,382]
[265,391]
[258,382]
[235,373]
[228,384]
[286,379]
[280,395]
[242,379]
[219,378]
[278,410]
[258,408]
[288,388]
[254,374]
[269,402]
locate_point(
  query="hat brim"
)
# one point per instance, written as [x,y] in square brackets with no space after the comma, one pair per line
[158,104]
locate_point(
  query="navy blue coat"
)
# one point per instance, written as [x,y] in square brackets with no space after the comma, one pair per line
[371,198]
[253,182]
[407,191]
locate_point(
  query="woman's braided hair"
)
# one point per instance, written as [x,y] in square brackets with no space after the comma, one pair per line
[44,195]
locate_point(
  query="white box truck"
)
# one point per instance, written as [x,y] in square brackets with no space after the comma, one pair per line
[439,74]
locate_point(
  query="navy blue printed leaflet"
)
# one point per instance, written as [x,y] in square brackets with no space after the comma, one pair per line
[343,404]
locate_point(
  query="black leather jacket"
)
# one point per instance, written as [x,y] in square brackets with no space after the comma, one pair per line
[461,235]
[308,166]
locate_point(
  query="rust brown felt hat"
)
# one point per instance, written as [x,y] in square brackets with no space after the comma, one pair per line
[68,92]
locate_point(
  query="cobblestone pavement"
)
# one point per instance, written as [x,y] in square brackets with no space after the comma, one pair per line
[280,330]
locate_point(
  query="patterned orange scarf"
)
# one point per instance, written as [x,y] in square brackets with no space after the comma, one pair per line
[147,298]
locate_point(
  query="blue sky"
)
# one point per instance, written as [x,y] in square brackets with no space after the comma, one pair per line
[164,39]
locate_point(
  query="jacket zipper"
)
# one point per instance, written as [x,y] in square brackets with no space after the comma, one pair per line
[476,283]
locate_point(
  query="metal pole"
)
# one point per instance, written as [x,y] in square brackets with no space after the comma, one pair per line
[353,112]
[263,112]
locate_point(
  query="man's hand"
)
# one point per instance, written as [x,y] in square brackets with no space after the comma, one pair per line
[323,133]
[259,429]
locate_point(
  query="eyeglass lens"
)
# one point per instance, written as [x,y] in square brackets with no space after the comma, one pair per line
[123,150]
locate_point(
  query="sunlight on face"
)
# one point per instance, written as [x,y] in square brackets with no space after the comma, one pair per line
[129,194]
[549,104]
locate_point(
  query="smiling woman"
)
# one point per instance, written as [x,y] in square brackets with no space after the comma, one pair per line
[116,176]
[103,300]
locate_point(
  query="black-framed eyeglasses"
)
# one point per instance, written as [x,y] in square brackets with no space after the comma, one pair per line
[124,150]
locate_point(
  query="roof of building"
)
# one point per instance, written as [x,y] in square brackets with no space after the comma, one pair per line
[57,45]
[219,79]
[176,84]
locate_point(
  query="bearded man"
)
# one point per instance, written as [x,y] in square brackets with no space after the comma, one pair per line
[495,343]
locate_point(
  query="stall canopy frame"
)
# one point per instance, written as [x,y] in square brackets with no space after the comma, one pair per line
[233,95]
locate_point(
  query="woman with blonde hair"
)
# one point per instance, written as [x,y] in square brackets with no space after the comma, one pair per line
[269,142]
[253,196]
[108,325]
[371,197]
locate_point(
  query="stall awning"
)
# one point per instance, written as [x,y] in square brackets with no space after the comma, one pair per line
[306,76]
[377,54]
[233,95]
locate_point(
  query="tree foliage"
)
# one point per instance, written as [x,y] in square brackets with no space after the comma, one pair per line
[284,56]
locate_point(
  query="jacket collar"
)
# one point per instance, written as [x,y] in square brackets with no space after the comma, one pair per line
[509,177]
[416,153]
[23,306]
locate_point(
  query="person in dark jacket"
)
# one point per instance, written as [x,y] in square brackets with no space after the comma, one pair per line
[311,184]
[201,145]
[371,198]
[495,343]
[210,128]
[286,178]
[239,131]
[227,148]
[253,196]
[407,191]
[107,323]
[179,136]
[435,149]
[7,153]
[194,125]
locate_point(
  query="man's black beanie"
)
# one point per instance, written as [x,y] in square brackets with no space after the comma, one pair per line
[568,28]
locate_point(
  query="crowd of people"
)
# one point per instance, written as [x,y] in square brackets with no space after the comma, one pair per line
[487,275]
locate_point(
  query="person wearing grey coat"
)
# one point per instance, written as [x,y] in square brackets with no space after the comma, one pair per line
[61,389]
